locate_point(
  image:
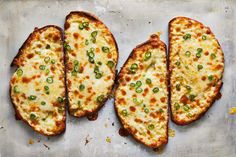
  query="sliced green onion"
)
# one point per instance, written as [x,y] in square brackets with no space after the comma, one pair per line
[86,42]
[147,55]
[76,68]
[76,62]
[199,67]
[94,34]
[46,87]
[46,59]
[100,99]
[110,64]
[188,88]
[177,106]
[210,77]
[198,55]
[74,73]
[47,92]
[43,103]
[91,60]
[132,84]
[91,54]
[60,99]
[192,97]
[53,61]
[161,110]
[16,89]
[81,87]
[48,46]
[138,83]
[47,71]
[138,90]
[134,67]
[124,112]
[96,69]
[155,90]
[187,36]
[213,56]
[67,47]
[99,63]
[199,50]
[178,87]
[98,75]
[146,110]
[85,24]
[42,67]
[105,49]
[151,127]
[177,63]
[148,81]
[49,80]
[186,108]
[19,72]
[81,27]
[93,40]
[204,37]
[32,97]
[135,100]
[187,53]
[32,116]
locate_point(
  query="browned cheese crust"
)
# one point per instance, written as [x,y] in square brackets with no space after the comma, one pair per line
[196,66]
[92,56]
[37,88]
[141,98]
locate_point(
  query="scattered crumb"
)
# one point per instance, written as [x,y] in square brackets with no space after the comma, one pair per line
[232,110]
[31,141]
[105,125]
[159,33]
[159,150]
[125,143]
[46,146]
[149,22]
[108,140]
[38,140]
[171,132]
[1,127]
[113,124]
[87,140]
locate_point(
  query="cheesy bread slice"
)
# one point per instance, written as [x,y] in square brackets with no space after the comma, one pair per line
[196,65]
[91,60]
[141,98]
[37,87]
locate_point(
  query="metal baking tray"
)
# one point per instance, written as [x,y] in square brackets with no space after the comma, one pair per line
[131,22]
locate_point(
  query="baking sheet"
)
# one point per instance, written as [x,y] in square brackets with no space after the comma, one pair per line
[131,22]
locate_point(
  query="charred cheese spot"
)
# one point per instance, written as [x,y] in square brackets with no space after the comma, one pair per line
[199,55]
[33,97]
[87,62]
[142,111]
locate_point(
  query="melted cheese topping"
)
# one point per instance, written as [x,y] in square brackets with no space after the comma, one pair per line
[196,66]
[91,61]
[37,86]
[141,97]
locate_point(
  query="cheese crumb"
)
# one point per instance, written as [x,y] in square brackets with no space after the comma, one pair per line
[232,110]
[31,141]
[171,132]
[108,140]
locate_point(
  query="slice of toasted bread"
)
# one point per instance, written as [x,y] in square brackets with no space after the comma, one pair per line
[141,98]
[37,88]
[91,62]
[196,65]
